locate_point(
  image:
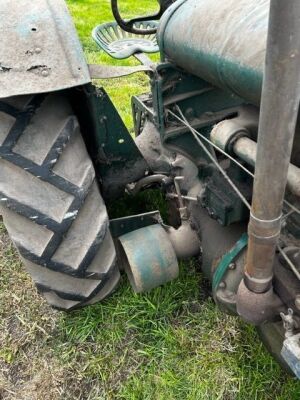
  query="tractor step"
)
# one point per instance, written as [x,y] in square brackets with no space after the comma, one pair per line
[120,44]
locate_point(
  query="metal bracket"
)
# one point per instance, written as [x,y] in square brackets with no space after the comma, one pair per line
[108,72]
[124,225]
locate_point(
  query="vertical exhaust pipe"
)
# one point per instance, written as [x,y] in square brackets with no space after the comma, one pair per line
[278,117]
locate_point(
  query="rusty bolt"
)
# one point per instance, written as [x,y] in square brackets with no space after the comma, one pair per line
[297,302]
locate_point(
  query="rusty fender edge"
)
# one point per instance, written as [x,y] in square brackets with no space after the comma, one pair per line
[40,50]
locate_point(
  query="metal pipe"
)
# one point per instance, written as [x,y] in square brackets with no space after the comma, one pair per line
[278,116]
[246,149]
[147,180]
[229,133]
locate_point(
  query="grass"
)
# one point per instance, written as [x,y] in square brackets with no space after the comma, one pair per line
[171,343]
[89,13]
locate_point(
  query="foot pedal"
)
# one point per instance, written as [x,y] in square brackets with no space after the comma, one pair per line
[120,44]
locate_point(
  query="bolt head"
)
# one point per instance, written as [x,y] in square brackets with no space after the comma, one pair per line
[45,73]
[232,266]
[222,285]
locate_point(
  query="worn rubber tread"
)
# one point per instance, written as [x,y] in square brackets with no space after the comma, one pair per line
[55,280]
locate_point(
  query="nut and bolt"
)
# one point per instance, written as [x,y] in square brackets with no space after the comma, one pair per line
[232,266]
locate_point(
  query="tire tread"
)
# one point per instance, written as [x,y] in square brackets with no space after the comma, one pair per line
[63,200]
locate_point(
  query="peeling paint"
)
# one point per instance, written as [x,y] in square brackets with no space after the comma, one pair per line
[4,68]
[38,68]
[38,38]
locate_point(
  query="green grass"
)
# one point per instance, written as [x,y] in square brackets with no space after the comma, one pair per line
[171,343]
[89,13]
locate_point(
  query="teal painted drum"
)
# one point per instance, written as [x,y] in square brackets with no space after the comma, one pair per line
[148,258]
[222,42]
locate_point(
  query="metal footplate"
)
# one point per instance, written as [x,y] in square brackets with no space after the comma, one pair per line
[120,44]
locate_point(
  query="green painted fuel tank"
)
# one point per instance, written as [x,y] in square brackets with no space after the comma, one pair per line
[221,41]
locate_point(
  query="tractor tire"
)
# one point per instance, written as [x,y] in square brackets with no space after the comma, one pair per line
[51,204]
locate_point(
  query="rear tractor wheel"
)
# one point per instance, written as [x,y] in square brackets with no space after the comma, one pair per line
[51,204]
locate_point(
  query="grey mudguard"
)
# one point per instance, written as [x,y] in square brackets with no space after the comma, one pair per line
[40,50]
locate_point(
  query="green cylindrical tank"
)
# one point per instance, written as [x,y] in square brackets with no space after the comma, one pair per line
[221,41]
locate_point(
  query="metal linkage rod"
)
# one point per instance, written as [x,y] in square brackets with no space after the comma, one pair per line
[288,260]
[195,132]
[214,161]
[186,123]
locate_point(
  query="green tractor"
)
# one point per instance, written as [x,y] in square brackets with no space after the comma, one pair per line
[218,133]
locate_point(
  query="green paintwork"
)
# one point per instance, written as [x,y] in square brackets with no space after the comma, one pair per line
[223,43]
[151,259]
[227,259]
[231,76]
[117,159]
[114,143]
[219,198]
[203,104]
